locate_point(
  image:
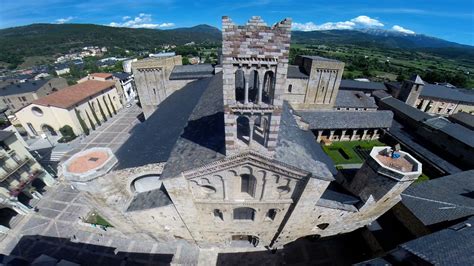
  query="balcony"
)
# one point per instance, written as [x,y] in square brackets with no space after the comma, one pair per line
[19,162]
[14,191]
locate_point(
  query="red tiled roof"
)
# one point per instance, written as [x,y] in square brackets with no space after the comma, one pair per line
[102,75]
[72,95]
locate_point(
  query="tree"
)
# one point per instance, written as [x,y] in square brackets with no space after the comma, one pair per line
[84,127]
[94,113]
[67,131]
[90,120]
[107,106]
[68,134]
[112,104]
[185,60]
[101,111]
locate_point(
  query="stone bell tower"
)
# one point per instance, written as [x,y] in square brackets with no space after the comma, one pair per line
[255,64]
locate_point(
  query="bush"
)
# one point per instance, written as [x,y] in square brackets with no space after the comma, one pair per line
[67,133]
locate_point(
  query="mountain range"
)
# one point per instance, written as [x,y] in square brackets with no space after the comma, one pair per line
[51,39]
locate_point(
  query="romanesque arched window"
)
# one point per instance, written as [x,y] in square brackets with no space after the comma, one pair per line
[244,213]
[268,87]
[243,129]
[271,214]
[239,85]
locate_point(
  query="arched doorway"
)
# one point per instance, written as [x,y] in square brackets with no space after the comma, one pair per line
[6,217]
[260,130]
[243,129]
[244,241]
[39,185]
[268,87]
[253,87]
[239,85]
[48,130]
[25,199]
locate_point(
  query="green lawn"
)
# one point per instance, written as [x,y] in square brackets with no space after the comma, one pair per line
[94,218]
[344,152]
[422,178]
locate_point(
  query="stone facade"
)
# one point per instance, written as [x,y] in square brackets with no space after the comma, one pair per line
[22,178]
[264,187]
[322,86]
[255,63]
[152,81]
[18,98]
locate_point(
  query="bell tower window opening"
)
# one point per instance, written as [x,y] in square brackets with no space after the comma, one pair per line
[239,81]
[271,214]
[247,184]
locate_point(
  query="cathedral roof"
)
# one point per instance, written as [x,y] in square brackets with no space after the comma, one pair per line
[187,132]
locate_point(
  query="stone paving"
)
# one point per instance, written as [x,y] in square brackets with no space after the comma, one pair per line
[111,134]
[55,229]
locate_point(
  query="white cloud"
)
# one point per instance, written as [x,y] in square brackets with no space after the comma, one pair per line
[64,20]
[402,29]
[141,21]
[367,21]
[357,22]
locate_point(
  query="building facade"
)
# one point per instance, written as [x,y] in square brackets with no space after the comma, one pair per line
[241,169]
[83,107]
[151,76]
[433,98]
[21,178]
[18,95]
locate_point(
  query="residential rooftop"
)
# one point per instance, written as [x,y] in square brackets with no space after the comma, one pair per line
[442,199]
[349,84]
[23,87]
[464,119]
[183,72]
[354,99]
[101,75]
[331,119]
[75,94]
[5,134]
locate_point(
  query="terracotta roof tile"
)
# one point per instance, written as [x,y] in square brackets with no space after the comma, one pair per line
[72,95]
[102,75]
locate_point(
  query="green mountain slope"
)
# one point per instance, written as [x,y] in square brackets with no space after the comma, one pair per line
[18,43]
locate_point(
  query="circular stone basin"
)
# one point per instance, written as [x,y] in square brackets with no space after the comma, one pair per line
[87,162]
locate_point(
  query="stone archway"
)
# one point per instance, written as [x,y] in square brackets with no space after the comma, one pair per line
[48,130]
[239,85]
[39,185]
[6,217]
[243,129]
[254,84]
[268,87]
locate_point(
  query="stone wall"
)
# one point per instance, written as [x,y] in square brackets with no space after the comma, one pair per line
[323,84]
[152,81]
[258,51]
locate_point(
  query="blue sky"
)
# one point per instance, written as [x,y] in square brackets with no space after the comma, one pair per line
[452,20]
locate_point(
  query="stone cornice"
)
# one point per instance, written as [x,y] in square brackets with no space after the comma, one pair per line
[247,157]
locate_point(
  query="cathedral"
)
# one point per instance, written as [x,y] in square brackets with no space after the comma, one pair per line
[226,158]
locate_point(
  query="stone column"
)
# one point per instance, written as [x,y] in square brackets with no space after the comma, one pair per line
[354,133]
[260,89]
[374,136]
[320,133]
[251,124]
[246,101]
[424,105]
[331,134]
[364,135]
[343,134]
